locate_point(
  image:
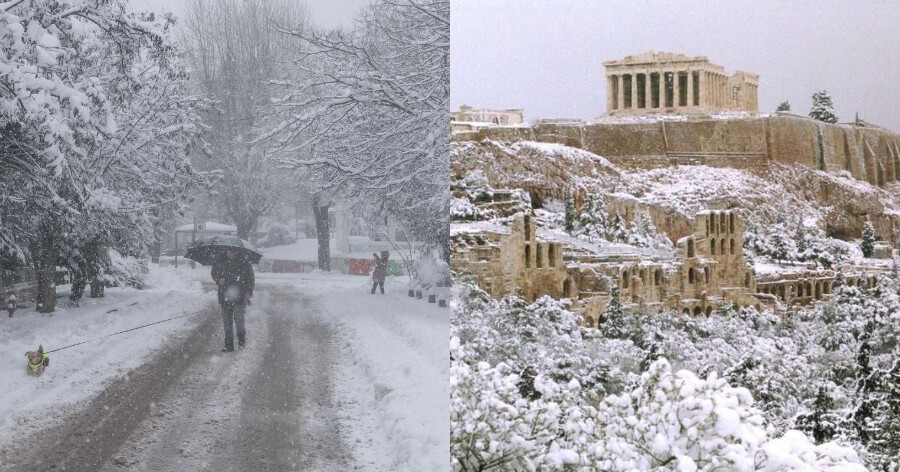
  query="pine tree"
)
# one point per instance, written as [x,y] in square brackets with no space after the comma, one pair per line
[822,108]
[868,240]
[866,394]
[617,230]
[784,106]
[890,426]
[801,241]
[570,210]
[613,325]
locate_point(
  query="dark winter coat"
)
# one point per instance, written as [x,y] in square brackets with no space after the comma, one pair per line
[239,280]
[380,272]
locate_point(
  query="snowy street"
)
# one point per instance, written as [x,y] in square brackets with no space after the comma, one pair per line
[332,378]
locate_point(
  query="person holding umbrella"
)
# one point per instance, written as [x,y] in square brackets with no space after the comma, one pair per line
[235,279]
[230,258]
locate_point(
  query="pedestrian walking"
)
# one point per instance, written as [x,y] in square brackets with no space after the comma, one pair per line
[234,276]
[11,303]
[380,271]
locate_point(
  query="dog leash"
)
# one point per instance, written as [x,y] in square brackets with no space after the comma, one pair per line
[132,329]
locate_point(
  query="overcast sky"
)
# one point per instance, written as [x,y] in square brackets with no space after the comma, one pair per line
[323,13]
[546,56]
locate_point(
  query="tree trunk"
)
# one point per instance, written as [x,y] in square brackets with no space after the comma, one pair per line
[94,257]
[46,270]
[323,233]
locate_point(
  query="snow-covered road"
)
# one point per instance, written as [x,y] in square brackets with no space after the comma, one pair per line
[332,378]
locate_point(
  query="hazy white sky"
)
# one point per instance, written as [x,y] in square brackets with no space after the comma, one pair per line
[323,13]
[546,56]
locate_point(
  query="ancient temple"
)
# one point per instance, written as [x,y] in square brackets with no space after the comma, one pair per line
[661,82]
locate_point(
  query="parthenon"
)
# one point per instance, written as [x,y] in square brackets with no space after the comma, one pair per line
[660,82]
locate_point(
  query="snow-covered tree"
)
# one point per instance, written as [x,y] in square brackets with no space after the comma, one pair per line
[97,123]
[784,106]
[366,118]
[822,108]
[570,210]
[235,48]
[613,323]
[867,245]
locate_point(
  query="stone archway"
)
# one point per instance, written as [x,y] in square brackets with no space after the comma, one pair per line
[691,276]
[818,290]
[698,311]
[589,321]
[708,310]
[712,247]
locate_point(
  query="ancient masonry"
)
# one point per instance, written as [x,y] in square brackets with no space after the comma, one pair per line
[660,82]
[467,114]
[707,270]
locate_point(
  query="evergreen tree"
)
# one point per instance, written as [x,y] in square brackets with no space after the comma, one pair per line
[868,240]
[822,108]
[570,210]
[895,268]
[866,394]
[821,422]
[890,426]
[613,325]
[617,230]
[802,242]
[784,106]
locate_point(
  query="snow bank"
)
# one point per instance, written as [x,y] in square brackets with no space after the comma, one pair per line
[77,373]
[395,382]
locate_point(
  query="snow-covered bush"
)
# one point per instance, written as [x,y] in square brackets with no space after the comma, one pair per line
[125,271]
[278,235]
[532,390]
[463,209]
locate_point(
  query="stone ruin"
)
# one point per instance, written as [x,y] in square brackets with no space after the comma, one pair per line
[706,271]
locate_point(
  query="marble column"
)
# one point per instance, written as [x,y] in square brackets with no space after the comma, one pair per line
[676,89]
[662,89]
[620,91]
[634,101]
[690,88]
[609,91]
[648,91]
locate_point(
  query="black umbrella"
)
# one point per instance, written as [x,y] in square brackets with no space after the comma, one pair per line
[208,251]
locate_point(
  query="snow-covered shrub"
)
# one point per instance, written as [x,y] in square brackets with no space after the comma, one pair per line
[278,235]
[526,394]
[463,209]
[125,271]
[477,186]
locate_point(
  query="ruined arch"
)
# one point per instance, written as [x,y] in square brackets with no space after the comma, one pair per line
[731,246]
[686,312]
[809,289]
[691,276]
[731,222]
[528,227]
[722,247]
[698,311]
[708,310]
[690,247]
[625,278]
[723,221]
[818,290]
[657,277]
[712,247]
[706,274]
[589,321]
[747,280]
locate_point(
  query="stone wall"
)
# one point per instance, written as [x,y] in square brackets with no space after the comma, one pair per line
[868,154]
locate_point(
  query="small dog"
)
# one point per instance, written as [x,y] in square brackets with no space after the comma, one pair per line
[37,361]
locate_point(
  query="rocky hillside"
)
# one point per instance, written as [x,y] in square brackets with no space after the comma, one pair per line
[836,203]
